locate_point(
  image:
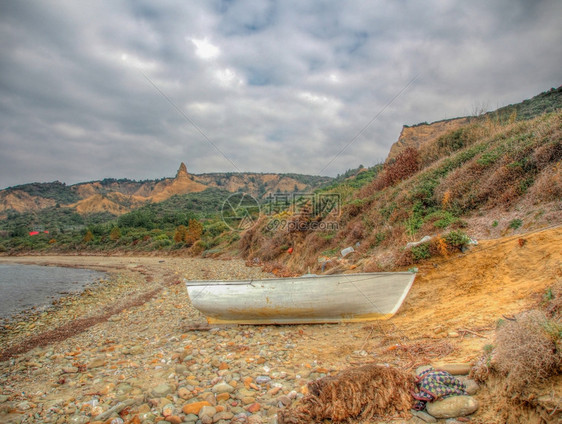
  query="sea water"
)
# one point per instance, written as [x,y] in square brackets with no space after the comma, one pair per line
[32,286]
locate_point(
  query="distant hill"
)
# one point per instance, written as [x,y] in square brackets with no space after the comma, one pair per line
[119,196]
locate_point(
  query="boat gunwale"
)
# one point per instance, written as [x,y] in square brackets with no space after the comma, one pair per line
[197,283]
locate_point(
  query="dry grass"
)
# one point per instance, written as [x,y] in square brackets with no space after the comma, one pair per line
[525,352]
[363,393]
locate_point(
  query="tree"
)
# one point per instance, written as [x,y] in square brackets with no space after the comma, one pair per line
[115,234]
[88,237]
[180,233]
[194,231]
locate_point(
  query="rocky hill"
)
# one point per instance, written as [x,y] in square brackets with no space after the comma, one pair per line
[422,134]
[123,195]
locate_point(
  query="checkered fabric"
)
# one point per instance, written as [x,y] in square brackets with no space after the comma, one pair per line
[433,385]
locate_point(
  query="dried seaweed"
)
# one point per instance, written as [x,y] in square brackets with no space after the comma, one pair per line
[363,392]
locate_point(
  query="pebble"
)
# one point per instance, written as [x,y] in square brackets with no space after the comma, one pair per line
[222,388]
[424,416]
[161,390]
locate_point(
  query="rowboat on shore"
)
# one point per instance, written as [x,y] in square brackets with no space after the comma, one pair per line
[308,299]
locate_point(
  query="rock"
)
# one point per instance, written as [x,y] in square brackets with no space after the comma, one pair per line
[78,419]
[253,408]
[471,386]
[174,419]
[168,410]
[224,415]
[162,390]
[207,411]
[424,416]
[184,393]
[452,407]
[263,379]
[190,418]
[194,408]
[70,370]
[454,369]
[255,419]
[222,388]
[3,398]
[96,363]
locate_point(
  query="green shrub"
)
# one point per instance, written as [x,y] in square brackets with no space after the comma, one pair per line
[456,239]
[421,251]
[515,224]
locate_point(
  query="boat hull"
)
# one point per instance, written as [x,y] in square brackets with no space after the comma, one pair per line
[302,300]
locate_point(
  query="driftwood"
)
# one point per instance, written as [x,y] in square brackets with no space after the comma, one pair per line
[363,393]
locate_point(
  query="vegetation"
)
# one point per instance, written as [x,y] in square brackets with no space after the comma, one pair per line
[495,161]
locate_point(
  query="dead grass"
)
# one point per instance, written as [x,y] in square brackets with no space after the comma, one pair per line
[524,352]
[362,393]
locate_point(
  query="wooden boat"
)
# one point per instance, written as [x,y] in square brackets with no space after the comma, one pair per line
[302,300]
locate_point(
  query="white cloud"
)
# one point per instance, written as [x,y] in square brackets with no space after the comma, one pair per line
[276,86]
[205,49]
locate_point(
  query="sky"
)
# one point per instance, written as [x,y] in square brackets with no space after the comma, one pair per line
[132,88]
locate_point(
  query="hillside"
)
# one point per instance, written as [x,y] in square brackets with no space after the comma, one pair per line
[121,196]
[486,178]
[422,134]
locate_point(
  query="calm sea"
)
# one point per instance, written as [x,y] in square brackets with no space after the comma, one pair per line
[26,286]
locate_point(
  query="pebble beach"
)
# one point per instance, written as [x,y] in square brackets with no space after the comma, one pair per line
[133,350]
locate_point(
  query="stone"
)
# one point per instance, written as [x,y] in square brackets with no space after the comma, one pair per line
[78,419]
[3,398]
[224,415]
[208,411]
[452,407]
[194,408]
[96,363]
[253,408]
[424,416]
[221,397]
[162,390]
[454,369]
[184,393]
[174,419]
[190,418]
[263,379]
[222,388]
[70,370]
[471,386]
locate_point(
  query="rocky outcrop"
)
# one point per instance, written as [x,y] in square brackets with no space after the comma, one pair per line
[418,135]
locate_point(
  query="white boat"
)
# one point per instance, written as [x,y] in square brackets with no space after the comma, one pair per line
[302,300]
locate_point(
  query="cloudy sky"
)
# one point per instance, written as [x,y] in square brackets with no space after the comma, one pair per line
[129,88]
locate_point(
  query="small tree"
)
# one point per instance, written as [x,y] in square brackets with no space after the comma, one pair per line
[180,233]
[115,234]
[88,237]
[194,231]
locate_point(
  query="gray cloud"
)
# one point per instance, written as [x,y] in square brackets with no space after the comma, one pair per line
[276,86]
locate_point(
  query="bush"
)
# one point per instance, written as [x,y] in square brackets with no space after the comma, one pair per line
[525,350]
[456,239]
[420,252]
[515,224]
